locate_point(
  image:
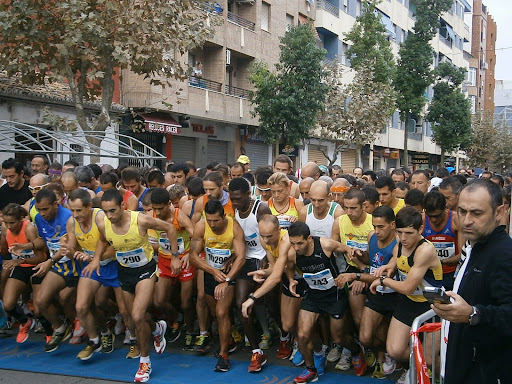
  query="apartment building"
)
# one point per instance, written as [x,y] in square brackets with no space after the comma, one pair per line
[334,18]
[215,105]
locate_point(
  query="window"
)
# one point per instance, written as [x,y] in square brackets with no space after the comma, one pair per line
[358,8]
[265,16]
[289,22]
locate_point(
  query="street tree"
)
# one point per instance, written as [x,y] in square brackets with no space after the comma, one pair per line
[355,114]
[502,160]
[414,73]
[482,150]
[450,110]
[87,43]
[287,100]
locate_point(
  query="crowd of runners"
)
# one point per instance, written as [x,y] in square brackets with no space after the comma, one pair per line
[332,261]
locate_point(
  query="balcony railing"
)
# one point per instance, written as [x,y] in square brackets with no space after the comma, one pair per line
[331,8]
[235,19]
[446,40]
[204,83]
[235,91]
[207,7]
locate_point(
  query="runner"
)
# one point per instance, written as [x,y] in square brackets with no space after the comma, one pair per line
[282,205]
[386,188]
[110,180]
[222,238]
[132,181]
[126,231]
[247,213]
[284,164]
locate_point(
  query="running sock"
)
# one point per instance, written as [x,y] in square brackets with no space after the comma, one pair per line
[145,359]
[203,333]
[324,348]
[95,341]
[285,336]
[48,330]
[61,329]
[257,350]
[157,330]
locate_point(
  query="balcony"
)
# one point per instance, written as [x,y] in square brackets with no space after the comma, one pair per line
[237,92]
[240,21]
[205,84]
[331,8]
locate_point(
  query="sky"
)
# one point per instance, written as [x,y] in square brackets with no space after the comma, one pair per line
[501,11]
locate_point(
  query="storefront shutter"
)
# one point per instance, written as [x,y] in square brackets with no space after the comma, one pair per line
[348,160]
[257,152]
[316,156]
[217,151]
[183,149]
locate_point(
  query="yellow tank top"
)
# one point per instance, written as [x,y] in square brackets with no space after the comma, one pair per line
[284,217]
[275,251]
[355,237]
[399,206]
[32,212]
[218,248]
[164,246]
[433,277]
[132,249]
[88,240]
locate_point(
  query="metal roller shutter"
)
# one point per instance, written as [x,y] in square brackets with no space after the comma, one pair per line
[218,151]
[348,160]
[315,155]
[257,152]
[183,149]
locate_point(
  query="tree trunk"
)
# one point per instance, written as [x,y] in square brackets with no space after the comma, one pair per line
[359,160]
[442,158]
[405,162]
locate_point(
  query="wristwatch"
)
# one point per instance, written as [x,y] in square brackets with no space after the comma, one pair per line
[176,254]
[474,318]
[229,281]
[251,296]
[358,276]
[382,280]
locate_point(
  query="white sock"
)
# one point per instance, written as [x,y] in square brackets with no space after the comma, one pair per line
[286,338]
[95,341]
[324,348]
[346,352]
[145,359]
[257,350]
[203,333]
[158,329]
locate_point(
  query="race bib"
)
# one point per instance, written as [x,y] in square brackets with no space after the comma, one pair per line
[380,288]
[53,247]
[354,244]
[91,253]
[284,221]
[251,241]
[216,257]
[165,244]
[322,280]
[132,259]
[27,254]
[445,250]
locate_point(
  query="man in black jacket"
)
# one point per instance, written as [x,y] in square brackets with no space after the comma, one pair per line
[478,323]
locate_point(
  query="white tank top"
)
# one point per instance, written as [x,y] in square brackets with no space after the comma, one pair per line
[323,227]
[254,249]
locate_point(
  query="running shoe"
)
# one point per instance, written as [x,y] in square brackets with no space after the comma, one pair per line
[320,362]
[266,341]
[86,353]
[285,349]
[47,339]
[133,351]
[159,340]
[38,327]
[298,360]
[107,343]
[232,346]
[119,327]
[258,360]
[307,376]
[359,363]
[370,358]
[222,364]
[247,342]
[189,342]
[404,379]
[378,372]
[24,330]
[143,373]
[78,333]
[389,366]
[334,354]
[174,332]
[57,338]
[345,361]
[126,340]
[3,315]
[236,335]
[202,344]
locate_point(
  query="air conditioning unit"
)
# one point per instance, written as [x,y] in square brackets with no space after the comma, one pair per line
[485,66]
[250,2]
[228,57]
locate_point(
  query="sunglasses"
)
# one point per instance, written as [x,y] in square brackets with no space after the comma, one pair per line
[262,189]
[37,188]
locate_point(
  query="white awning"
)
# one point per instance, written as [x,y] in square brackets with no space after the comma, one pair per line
[18,137]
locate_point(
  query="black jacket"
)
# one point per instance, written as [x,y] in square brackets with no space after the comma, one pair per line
[480,353]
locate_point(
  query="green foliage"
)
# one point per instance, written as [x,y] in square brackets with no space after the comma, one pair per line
[450,110]
[85,42]
[288,100]
[369,44]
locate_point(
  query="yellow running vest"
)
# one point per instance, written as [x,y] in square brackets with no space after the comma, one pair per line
[275,251]
[355,237]
[218,248]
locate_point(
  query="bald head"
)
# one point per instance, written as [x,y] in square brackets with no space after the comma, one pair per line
[305,186]
[319,188]
[39,179]
[341,182]
[310,170]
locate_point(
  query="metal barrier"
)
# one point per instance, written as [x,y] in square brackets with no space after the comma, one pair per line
[416,328]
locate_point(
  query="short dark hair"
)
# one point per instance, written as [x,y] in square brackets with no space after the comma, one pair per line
[214,206]
[46,193]
[371,194]
[211,165]
[156,175]
[109,178]
[404,186]
[45,159]
[452,183]
[195,186]
[96,169]
[421,172]
[13,163]
[354,193]
[385,212]
[160,196]
[72,162]
[80,194]
[262,174]
[113,195]
[385,181]
[409,217]
[283,159]
[494,191]
[372,174]
[239,184]
[15,210]
[442,173]
[499,179]
[398,171]
[414,197]
[130,173]
[249,177]
[191,166]
[299,229]
[84,173]
[215,177]
[179,167]
[433,201]
[238,165]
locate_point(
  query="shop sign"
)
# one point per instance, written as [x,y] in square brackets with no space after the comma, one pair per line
[421,159]
[289,150]
[162,128]
[386,153]
[209,129]
[394,154]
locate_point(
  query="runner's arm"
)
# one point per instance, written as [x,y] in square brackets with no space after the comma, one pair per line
[239,250]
